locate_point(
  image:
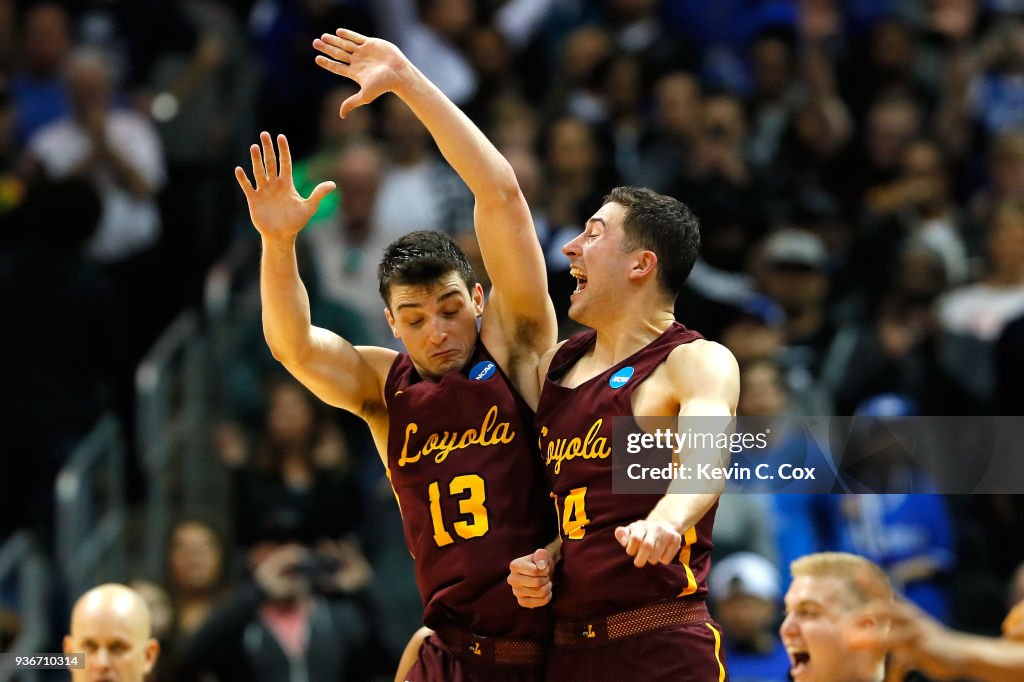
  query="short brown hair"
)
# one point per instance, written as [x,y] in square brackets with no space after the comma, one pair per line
[664,225]
[422,258]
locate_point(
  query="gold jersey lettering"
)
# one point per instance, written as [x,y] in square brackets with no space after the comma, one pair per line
[442,444]
[591,446]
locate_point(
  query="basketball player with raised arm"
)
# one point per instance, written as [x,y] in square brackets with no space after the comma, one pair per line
[628,591]
[451,416]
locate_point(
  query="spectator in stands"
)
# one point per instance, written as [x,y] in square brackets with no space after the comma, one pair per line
[744,590]
[116,149]
[1005,181]
[120,153]
[300,472]
[431,32]
[575,88]
[884,63]
[39,90]
[334,134]
[305,612]
[792,270]
[755,332]
[764,392]
[670,140]
[192,75]
[917,204]
[343,248]
[983,87]
[982,310]
[896,346]
[418,190]
[626,125]
[893,120]
[792,518]
[773,89]
[721,185]
[493,61]
[640,33]
[973,316]
[910,536]
[197,570]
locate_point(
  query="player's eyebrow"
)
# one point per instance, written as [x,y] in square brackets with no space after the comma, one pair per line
[595,220]
[440,299]
[803,602]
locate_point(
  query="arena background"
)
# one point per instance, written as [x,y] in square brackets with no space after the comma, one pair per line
[858,168]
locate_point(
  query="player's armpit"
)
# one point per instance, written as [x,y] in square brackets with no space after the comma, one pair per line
[344,376]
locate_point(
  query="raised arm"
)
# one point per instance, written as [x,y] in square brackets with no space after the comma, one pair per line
[333,369]
[504,227]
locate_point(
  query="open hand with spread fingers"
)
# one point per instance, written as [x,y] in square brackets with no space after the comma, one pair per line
[275,206]
[376,65]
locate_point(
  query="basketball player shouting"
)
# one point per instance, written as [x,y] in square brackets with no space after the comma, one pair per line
[628,593]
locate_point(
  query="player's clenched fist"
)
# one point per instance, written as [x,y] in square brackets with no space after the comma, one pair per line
[530,578]
[650,542]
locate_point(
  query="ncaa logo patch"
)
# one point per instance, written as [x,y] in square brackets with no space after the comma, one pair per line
[620,378]
[482,370]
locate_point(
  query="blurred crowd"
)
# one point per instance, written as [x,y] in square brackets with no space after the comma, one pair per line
[857,166]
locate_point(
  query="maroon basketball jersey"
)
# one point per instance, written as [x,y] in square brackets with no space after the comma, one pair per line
[463,463]
[596,576]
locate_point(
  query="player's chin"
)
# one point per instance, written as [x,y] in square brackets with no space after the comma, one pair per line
[577,312]
[449,363]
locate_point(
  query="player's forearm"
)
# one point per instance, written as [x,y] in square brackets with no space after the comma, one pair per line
[988,659]
[286,316]
[480,165]
[682,510]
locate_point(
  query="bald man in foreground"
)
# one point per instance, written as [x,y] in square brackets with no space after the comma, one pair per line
[110,625]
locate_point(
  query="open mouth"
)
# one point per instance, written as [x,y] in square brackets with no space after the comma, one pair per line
[581,279]
[798,662]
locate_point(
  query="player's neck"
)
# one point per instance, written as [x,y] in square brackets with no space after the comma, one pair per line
[629,331]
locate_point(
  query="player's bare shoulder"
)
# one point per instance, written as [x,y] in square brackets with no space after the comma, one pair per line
[545,362]
[703,370]
[379,360]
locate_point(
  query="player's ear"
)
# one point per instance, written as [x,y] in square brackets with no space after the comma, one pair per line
[68,645]
[478,299]
[152,653]
[643,265]
[391,322]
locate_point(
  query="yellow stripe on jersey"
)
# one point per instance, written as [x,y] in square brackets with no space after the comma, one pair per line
[689,538]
